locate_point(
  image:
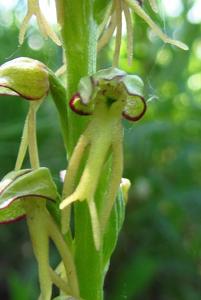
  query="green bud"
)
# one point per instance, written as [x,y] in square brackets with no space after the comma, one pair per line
[24,77]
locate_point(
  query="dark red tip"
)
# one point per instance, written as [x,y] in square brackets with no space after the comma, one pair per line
[75,109]
[19,218]
[139,116]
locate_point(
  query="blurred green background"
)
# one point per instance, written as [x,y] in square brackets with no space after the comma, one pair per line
[159,251]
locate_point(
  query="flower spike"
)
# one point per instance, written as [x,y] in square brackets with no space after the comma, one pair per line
[35,10]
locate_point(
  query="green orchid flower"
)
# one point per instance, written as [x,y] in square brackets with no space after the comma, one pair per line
[33,9]
[113,21]
[107,96]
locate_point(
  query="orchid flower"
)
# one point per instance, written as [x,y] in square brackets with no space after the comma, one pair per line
[113,21]
[35,10]
[107,95]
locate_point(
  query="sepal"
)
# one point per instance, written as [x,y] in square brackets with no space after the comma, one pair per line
[24,77]
[23,185]
[110,85]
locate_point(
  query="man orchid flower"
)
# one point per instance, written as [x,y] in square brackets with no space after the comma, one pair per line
[113,21]
[34,9]
[108,95]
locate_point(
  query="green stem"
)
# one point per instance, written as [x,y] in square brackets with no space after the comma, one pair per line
[24,140]
[65,253]
[37,229]
[32,138]
[79,34]
[58,93]
[23,147]
[35,213]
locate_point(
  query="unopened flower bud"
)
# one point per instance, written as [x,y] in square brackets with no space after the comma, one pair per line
[24,77]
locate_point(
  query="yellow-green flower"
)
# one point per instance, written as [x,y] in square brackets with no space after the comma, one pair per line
[113,21]
[34,9]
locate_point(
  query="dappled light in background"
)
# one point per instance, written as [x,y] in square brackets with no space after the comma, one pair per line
[172,8]
[193,15]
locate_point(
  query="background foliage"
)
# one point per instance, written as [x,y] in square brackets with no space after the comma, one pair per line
[159,250]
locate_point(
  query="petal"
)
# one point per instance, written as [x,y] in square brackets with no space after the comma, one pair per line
[108,74]
[6,91]
[85,89]
[133,85]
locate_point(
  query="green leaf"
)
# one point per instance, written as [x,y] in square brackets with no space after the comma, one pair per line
[18,186]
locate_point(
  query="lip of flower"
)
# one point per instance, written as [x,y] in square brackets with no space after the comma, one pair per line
[130,86]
